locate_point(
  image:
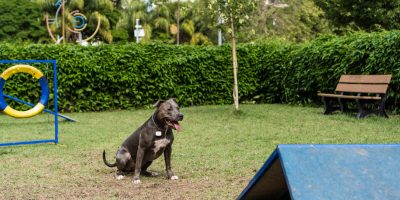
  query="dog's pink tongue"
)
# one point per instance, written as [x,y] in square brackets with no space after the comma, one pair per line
[177,127]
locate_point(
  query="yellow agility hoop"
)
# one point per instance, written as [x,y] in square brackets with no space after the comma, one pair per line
[43,84]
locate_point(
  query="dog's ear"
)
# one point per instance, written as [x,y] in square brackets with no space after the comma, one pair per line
[158,103]
[174,99]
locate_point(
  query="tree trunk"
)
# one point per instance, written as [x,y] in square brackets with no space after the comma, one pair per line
[177,23]
[235,66]
[63,21]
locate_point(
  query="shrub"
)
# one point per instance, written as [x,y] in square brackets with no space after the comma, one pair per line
[109,77]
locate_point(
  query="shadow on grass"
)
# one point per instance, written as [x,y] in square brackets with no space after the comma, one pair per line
[10,124]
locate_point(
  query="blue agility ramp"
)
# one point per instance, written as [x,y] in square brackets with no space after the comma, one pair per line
[332,172]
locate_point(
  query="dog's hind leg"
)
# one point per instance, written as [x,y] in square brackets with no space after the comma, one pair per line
[144,171]
[124,162]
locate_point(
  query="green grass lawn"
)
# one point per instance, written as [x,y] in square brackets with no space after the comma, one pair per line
[215,155]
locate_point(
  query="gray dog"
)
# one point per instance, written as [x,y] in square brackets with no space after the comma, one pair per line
[148,142]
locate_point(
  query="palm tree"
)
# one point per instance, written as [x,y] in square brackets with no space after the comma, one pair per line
[131,10]
[94,10]
[190,22]
[155,22]
[97,10]
[161,22]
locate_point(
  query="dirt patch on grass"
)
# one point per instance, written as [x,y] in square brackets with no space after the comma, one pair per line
[112,189]
[83,179]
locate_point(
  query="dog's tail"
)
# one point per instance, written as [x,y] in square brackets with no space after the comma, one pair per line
[105,160]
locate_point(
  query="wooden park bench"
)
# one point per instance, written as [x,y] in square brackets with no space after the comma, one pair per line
[363,89]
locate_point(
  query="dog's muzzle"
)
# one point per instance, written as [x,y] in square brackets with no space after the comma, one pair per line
[175,123]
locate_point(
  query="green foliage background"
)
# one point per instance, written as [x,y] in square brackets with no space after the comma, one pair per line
[347,15]
[109,77]
[21,21]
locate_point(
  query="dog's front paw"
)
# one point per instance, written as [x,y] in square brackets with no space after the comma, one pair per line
[174,177]
[136,181]
[119,177]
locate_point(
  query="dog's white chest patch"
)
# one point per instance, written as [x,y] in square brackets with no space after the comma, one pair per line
[160,144]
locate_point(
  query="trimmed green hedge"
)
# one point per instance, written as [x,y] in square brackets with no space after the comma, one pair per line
[109,77]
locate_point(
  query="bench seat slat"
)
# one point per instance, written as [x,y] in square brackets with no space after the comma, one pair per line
[383,79]
[358,87]
[362,88]
[349,96]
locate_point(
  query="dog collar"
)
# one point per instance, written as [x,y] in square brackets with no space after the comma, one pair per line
[158,128]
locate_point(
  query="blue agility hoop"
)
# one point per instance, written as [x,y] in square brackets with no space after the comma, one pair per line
[54,101]
[43,84]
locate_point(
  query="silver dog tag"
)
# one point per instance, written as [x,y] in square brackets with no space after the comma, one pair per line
[158,133]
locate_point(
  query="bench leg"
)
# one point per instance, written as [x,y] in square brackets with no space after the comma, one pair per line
[382,111]
[343,105]
[327,106]
[361,111]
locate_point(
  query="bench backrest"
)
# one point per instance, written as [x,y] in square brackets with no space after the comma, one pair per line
[377,84]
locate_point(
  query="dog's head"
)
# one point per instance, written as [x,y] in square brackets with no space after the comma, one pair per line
[169,113]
